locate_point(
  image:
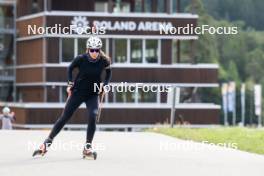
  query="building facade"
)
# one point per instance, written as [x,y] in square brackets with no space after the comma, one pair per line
[7,48]
[140,54]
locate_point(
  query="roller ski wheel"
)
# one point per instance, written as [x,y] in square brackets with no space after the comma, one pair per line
[43,148]
[41,151]
[89,154]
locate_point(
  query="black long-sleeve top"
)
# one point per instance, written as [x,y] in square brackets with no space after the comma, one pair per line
[90,71]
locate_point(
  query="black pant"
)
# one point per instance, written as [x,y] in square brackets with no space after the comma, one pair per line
[74,101]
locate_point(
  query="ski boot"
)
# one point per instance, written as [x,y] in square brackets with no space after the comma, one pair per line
[43,148]
[88,152]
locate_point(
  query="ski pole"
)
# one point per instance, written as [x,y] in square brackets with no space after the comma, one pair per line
[100,107]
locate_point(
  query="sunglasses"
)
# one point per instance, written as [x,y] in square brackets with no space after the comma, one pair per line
[94,50]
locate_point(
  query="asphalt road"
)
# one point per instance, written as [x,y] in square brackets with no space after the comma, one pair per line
[122,154]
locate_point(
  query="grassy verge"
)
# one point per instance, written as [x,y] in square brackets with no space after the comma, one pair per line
[246,139]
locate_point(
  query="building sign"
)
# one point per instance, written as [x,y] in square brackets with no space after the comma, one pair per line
[131,25]
[114,25]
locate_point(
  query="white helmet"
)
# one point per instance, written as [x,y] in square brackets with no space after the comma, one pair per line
[6,110]
[94,42]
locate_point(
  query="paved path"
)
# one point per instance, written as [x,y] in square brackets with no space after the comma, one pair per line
[122,154]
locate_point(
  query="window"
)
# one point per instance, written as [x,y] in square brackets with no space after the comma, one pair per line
[19,95]
[6,49]
[136,97]
[185,51]
[125,97]
[152,51]
[77,5]
[174,6]
[147,97]
[6,17]
[136,53]
[81,46]
[120,97]
[120,50]
[121,6]
[125,7]
[101,6]
[147,5]
[160,6]
[67,49]
[138,6]
[5,91]
[35,7]
[181,6]
[63,94]
[174,51]
[130,97]
[104,47]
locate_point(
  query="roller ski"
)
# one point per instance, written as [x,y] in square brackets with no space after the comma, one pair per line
[43,148]
[89,153]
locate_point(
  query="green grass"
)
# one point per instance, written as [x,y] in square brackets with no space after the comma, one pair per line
[246,139]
